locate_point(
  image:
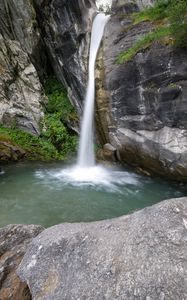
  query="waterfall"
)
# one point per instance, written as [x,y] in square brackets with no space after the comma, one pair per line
[86,157]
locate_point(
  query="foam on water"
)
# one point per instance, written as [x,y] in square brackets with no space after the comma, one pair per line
[97,177]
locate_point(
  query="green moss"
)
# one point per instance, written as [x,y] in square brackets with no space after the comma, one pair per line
[36,148]
[170,19]
[158,12]
[143,43]
[56,141]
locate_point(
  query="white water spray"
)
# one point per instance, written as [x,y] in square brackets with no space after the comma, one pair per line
[86,172]
[86,157]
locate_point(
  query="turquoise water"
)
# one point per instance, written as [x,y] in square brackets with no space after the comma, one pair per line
[34,193]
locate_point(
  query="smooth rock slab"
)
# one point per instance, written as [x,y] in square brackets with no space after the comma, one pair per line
[139,256]
[14,240]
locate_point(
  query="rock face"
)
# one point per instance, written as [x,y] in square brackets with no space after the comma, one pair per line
[18,22]
[147,109]
[35,36]
[9,152]
[14,240]
[139,256]
[21,92]
[66,27]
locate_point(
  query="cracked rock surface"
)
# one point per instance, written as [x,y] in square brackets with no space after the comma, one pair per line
[138,256]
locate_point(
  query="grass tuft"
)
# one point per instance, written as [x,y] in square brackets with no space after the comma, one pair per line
[172,13]
[143,43]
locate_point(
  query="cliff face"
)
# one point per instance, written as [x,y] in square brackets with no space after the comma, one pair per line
[66,27]
[33,36]
[20,44]
[141,104]
[147,107]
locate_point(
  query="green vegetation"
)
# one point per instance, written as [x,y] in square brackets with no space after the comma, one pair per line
[58,112]
[178,21]
[35,147]
[143,43]
[169,18]
[56,141]
[58,100]
[159,11]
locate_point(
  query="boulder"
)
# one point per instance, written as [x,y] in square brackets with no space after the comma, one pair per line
[107,153]
[14,240]
[9,152]
[138,256]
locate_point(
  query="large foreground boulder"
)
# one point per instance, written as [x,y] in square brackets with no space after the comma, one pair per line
[139,256]
[14,240]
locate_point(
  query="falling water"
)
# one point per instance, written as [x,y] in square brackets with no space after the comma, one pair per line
[86,156]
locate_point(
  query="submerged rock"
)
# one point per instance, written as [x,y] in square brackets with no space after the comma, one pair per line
[138,256]
[14,240]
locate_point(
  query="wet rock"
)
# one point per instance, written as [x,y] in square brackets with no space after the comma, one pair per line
[139,256]
[107,153]
[14,240]
[147,99]
[9,152]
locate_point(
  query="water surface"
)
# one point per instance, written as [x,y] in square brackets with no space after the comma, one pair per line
[46,194]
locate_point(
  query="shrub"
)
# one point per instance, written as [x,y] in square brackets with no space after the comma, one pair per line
[178,21]
[58,100]
[35,147]
[58,111]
